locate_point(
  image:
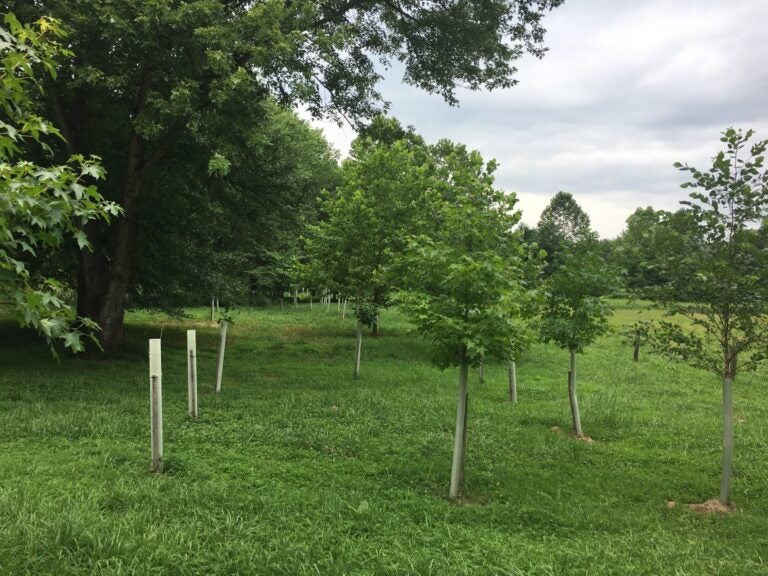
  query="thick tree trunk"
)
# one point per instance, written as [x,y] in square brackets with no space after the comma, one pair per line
[92,270]
[460,435]
[572,397]
[725,481]
[113,306]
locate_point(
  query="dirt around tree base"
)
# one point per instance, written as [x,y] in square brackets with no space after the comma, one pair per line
[709,507]
[586,439]
[713,506]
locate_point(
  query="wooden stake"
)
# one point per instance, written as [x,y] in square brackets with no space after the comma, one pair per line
[222,346]
[156,404]
[192,373]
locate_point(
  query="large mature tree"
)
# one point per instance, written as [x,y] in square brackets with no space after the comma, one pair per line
[42,205]
[235,229]
[649,239]
[150,76]
[563,223]
[719,281]
[464,278]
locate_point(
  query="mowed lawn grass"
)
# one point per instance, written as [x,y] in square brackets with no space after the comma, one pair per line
[296,468]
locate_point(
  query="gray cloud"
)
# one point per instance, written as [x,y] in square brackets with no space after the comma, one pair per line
[627,89]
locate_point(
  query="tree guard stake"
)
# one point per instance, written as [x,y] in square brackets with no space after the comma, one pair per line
[220,364]
[156,404]
[192,373]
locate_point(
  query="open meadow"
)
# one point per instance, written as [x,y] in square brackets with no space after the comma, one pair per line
[297,468]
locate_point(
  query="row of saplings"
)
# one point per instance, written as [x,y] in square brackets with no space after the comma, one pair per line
[570,311]
[471,286]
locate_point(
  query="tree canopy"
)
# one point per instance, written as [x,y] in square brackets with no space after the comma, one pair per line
[42,206]
[650,238]
[563,223]
[366,220]
[153,77]
[234,234]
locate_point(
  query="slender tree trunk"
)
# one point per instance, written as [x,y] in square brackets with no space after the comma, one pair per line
[636,352]
[460,435]
[572,397]
[481,371]
[725,481]
[358,348]
[512,382]
[375,326]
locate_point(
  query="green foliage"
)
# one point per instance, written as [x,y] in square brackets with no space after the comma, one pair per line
[157,86]
[718,281]
[575,312]
[637,334]
[465,283]
[651,239]
[235,236]
[563,223]
[355,247]
[41,206]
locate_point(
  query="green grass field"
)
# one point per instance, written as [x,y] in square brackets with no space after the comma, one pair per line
[296,468]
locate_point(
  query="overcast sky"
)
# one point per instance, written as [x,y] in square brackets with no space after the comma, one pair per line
[627,88]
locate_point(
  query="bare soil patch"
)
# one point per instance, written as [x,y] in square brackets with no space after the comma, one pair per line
[585,439]
[713,506]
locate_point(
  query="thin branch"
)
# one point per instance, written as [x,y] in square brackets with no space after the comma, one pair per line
[339,13]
